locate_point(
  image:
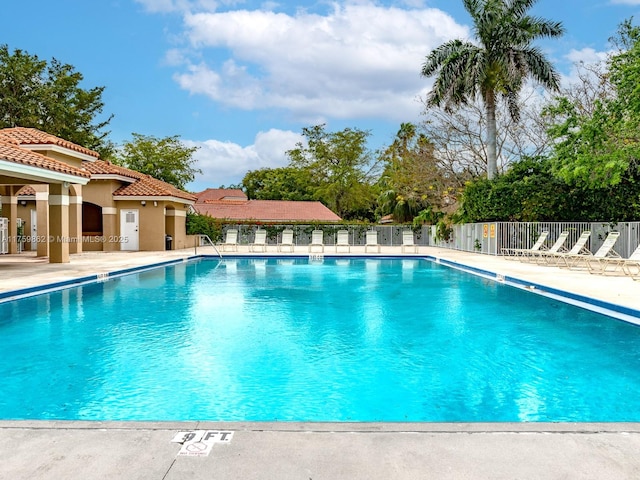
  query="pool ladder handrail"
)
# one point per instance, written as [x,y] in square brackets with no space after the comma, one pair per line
[210,242]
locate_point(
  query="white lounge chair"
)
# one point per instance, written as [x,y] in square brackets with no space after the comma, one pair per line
[408,241]
[342,240]
[605,250]
[520,252]
[631,266]
[557,247]
[372,241]
[259,241]
[579,248]
[317,240]
[613,263]
[230,241]
[286,241]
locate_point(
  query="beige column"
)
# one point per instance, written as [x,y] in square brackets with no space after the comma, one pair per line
[58,223]
[110,228]
[10,211]
[75,220]
[42,220]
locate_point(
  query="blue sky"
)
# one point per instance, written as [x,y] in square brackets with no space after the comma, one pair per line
[240,79]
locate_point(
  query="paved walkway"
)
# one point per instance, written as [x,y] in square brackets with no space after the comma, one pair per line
[303,451]
[298,451]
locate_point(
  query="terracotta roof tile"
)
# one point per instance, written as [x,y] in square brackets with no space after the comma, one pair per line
[214,194]
[100,167]
[225,202]
[268,211]
[151,187]
[142,185]
[11,152]
[32,136]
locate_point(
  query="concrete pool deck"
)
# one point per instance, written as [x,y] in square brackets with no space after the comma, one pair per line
[130,450]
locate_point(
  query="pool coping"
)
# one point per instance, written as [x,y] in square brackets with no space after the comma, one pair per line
[332,427]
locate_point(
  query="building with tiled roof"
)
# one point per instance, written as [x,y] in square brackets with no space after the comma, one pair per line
[54,168]
[236,207]
[146,206]
[109,207]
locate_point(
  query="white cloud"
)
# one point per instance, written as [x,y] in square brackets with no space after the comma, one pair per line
[625,2]
[358,60]
[587,55]
[226,163]
[584,56]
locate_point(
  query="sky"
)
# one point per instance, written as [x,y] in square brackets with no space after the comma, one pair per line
[241,79]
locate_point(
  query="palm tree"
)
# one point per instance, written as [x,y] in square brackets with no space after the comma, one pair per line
[496,66]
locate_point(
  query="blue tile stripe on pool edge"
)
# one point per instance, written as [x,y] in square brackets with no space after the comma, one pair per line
[541,289]
[75,282]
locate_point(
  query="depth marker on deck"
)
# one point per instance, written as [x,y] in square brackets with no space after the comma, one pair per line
[198,443]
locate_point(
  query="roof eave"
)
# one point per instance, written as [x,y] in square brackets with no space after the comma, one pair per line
[157,198]
[39,174]
[112,176]
[38,147]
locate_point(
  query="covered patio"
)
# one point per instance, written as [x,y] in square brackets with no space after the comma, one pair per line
[58,187]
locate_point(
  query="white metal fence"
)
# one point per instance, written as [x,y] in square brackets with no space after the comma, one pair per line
[387,234]
[488,238]
[492,237]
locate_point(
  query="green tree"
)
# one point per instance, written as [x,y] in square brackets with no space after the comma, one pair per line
[599,147]
[530,192]
[286,183]
[412,179]
[341,168]
[204,225]
[166,159]
[49,97]
[497,66]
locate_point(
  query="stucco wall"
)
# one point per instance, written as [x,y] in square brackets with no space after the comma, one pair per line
[69,160]
[151,231]
[176,225]
[100,192]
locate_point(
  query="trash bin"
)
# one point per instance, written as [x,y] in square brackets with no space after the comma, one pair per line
[168,239]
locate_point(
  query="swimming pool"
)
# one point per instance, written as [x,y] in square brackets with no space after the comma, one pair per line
[296,339]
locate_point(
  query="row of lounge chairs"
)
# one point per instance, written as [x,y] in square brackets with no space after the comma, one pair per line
[604,261]
[317,243]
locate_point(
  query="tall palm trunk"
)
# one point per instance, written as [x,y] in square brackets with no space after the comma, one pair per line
[492,161]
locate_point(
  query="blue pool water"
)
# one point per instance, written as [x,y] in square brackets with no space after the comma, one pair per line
[340,340]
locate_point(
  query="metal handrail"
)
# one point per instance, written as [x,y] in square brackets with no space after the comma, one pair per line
[206,237]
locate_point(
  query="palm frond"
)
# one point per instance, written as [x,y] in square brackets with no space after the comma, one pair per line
[539,68]
[498,66]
